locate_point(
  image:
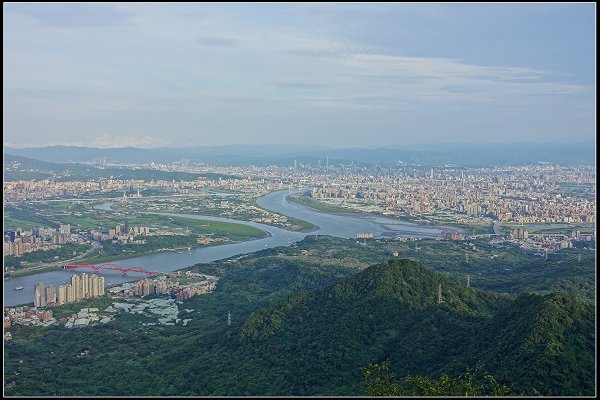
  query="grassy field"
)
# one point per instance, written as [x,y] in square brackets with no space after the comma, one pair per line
[15,218]
[318,205]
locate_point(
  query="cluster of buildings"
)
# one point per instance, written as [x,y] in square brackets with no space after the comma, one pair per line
[17,242]
[165,310]
[180,285]
[451,235]
[544,243]
[25,315]
[82,286]
[125,235]
[84,317]
[519,194]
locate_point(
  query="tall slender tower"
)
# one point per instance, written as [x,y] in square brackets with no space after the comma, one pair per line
[440,294]
[228,318]
[468,280]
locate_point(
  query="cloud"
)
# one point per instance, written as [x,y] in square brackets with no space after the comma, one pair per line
[71,15]
[217,41]
[297,85]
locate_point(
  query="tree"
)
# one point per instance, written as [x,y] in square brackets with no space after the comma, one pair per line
[477,382]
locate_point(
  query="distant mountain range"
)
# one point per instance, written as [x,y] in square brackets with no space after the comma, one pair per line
[458,154]
[18,167]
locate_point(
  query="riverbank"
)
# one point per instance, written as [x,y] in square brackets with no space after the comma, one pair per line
[166,261]
[331,210]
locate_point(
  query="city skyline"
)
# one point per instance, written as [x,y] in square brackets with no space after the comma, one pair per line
[157,75]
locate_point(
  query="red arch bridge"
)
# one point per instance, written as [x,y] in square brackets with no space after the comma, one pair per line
[111,267]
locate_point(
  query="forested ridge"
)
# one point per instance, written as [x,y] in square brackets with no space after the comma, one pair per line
[298,330]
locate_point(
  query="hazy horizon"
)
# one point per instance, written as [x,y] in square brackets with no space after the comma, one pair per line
[154,75]
[376,146]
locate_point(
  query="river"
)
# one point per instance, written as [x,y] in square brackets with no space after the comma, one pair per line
[328,224]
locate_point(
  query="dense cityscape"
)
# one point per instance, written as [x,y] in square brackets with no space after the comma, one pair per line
[299,200]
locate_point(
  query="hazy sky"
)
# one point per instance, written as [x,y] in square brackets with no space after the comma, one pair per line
[150,75]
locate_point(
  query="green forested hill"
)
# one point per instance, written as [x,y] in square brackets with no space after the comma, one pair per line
[301,329]
[390,311]
[544,343]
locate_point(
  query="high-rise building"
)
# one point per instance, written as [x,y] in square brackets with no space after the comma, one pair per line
[85,286]
[39,299]
[65,229]
[76,285]
[139,288]
[100,286]
[7,249]
[126,226]
[94,286]
[51,295]
[71,297]
[147,287]
[62,294]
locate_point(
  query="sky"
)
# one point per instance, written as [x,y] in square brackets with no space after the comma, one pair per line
[333,74]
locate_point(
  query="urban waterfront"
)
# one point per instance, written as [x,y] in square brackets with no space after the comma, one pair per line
[335,225]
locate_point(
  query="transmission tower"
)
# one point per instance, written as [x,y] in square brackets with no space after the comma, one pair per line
[468,280]
[579,257]
[466,257]
[440,294]
[229,318]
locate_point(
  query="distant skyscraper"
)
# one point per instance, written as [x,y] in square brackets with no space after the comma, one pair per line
[127,226]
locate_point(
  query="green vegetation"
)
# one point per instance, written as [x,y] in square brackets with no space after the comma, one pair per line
[66,310]
[190,228]
[29,168]
[472,383]
[174,232]
[305,328]
[65,252]
[303,226]
[317,205]
[237,206]
[23,218]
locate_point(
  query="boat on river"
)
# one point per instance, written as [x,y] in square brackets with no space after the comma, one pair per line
[19,288]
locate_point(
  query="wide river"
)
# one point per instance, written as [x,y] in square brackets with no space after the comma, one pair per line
[335,225]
